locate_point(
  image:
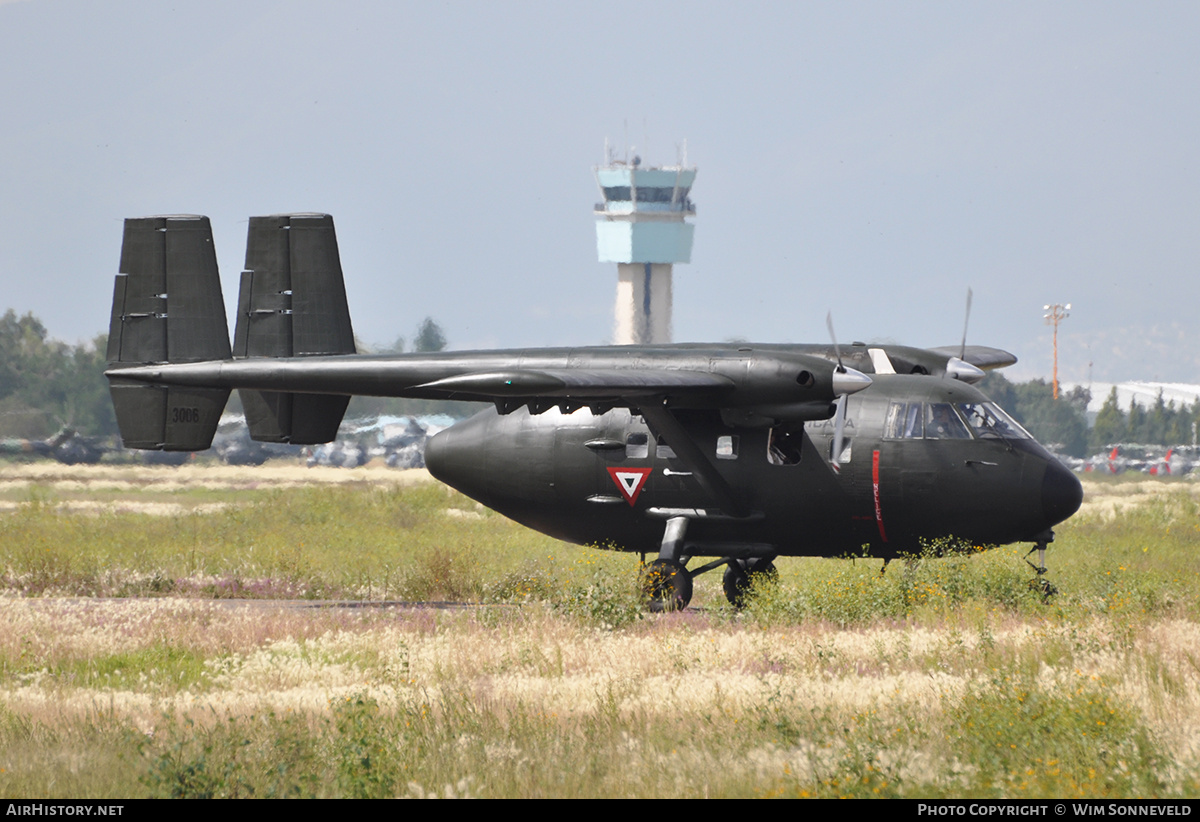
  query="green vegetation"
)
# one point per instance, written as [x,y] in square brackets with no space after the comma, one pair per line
[46,384]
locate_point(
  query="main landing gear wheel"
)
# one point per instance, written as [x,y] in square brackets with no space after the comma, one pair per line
[741,578]
[666,586]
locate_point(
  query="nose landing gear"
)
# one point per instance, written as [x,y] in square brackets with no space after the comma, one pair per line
[1039,583]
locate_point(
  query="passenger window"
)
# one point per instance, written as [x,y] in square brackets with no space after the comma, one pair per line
[727,447]
[637,446]
[664,451]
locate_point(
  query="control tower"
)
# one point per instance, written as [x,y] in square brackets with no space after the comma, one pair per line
[640,227]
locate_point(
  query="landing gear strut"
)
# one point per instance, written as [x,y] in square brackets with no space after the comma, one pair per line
[1039,583]
[666,584]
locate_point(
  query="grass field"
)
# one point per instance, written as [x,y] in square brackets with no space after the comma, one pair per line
[153,645]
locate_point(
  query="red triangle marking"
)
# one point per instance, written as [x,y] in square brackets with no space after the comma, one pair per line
[631,481]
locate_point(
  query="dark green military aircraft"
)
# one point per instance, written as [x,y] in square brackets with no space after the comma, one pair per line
[740,453]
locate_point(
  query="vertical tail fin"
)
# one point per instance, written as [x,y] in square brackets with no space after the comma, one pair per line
[292,303]
[167,307]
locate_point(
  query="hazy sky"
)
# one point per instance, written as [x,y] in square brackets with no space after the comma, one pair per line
[875,159]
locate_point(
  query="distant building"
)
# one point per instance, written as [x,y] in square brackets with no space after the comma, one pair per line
[640,226]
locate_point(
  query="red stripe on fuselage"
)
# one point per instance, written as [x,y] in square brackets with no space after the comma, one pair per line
[875,488]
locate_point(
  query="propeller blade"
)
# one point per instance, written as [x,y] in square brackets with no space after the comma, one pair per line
[836,350]
[962,353]
[839,433]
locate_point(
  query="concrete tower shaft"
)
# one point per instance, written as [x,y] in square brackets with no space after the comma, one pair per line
[640,226]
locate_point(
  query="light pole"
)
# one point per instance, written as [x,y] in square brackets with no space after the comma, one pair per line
[1054,315]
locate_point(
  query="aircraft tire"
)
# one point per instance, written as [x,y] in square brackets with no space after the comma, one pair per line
[763,571]
[741,579]
[736,583]
[666,586]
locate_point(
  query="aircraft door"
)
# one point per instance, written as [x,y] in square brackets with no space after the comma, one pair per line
[904,472]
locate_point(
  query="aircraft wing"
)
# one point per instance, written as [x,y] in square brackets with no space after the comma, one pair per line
[980,356]
[578,383]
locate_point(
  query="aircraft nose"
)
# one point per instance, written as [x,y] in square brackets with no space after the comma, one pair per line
[458,455]
[1062,493]
[447,455]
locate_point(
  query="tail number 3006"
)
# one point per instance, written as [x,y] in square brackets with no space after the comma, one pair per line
[185,414]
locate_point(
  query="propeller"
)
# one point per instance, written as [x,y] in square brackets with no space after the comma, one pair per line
[962,353]
[839,433]
[958,367]
[841,387]
[833,337]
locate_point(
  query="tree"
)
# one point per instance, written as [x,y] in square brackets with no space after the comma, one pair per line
[46,384]
[1110,423]
[1063,422]
[429,337]
[1051,420]
[1135,423]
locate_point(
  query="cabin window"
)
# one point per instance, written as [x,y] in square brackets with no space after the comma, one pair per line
[664,451]
[727,447]
[784,447]
[637,446]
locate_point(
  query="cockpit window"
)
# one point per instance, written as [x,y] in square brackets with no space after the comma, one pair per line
[913,427]
[988,420]
[942,423]
[904,421]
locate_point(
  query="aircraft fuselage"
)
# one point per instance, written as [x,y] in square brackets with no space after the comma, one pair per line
[607,480]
